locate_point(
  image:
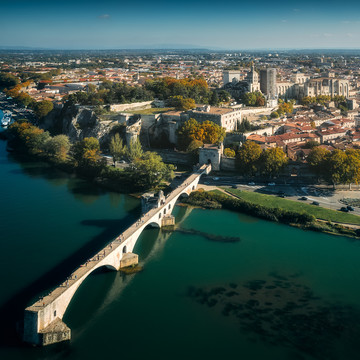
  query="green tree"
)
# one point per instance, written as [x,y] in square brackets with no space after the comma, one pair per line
[214,100]
[255,98]
[58,147]
[228,152]
[181,103]
[35,139]
[352,166]
[42,108]
[336,167]
[134,150]
[317,160]
[8,80]
[247,158]
[117,148]
[194,146]
[273,160]
[87,151]
[149,170]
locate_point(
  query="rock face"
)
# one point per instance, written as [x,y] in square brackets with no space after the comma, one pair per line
[78,123]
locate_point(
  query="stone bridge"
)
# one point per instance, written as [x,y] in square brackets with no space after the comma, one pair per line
[43,320]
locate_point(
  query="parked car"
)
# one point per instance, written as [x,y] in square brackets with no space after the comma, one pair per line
[216,178]
[303,198]
[251,183]
[350,208]
[316,203]
[271,184]
[344,209]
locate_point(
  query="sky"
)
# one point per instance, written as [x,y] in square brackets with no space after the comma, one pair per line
[220,25]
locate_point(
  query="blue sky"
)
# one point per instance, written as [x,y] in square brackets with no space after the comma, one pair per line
[232,25]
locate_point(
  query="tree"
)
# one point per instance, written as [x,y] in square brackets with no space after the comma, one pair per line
[117,148]
[8,80]
[248,158]
[255,98]
[58,147]
[87,151]
[285,108]
[25,99]
[206,132]
[311,144]
[181,103]
[228,152]
[274,115]
[35,139]
[273,160]
[42,108]
[149,170]
[134,150]
[194,146]
[214,100]
[336,167]
[352,164]
[224,96]
[317,160]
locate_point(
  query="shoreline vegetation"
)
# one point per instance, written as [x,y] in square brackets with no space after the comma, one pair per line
[145,172]
[124,182]
[218,200]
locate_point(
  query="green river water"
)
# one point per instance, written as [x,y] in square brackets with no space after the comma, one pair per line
[276,293]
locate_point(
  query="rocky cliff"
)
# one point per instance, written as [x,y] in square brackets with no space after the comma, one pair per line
[77,123]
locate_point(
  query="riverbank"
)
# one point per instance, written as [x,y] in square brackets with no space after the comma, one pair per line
[218,200]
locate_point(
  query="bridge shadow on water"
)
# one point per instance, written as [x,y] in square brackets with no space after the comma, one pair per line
[12,311]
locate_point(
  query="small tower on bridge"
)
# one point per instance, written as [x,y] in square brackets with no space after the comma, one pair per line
[211,154]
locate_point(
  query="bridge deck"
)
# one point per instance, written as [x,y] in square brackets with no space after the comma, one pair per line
[87,267]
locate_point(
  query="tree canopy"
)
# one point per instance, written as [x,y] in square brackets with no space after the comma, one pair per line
[255,98]
[206,132]
[149,170]
[248,158]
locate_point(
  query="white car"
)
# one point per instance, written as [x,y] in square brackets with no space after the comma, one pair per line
[251,183]
[271,184]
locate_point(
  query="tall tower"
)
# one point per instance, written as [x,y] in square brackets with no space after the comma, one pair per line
[253,80]
[268,83]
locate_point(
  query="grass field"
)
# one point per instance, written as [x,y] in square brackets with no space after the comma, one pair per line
[318,211]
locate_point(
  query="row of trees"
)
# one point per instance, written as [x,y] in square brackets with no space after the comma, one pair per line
[192,134]
[145,171]
[322,99]
[337,167]
[251,159]
[164,88]
[181,94]
[110,92]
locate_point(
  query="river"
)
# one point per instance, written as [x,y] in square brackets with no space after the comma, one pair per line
[276,293]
